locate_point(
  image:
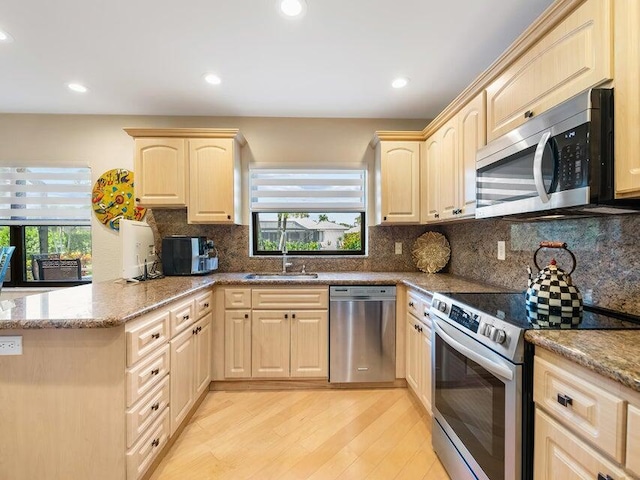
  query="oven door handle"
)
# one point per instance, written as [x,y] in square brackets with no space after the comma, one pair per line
[495,368]
[537,167]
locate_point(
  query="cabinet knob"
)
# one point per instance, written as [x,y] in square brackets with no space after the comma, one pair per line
[286,315]
[155,335]
[185,317]
[602,476]
[437,215]
[565,400]
[293,315]
[198,330]
[228,217]
[246,315]
[155,406]
[420,329]
[411,304]
[528,114]
[155,371]
[206,305]
[137,199]
[155,442]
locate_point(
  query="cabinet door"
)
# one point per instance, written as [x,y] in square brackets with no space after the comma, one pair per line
[182,377]
[412,345]
[424,382]
[431,179]
[211,181]
[203,354]
[237,344]
[309,343]
[627,98]
[633,439]
[448,166]
[558,454]
[472,136]
[400,182]
[572,57]
[160,169]
[270,343]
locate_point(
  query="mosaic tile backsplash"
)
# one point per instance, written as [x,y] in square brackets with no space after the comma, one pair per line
[607,250]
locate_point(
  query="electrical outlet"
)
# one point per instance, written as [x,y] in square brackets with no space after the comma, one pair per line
[587,295]
[10,345]
[398,248]
[501,251]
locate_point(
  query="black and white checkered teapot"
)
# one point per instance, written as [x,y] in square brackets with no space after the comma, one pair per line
[552,299]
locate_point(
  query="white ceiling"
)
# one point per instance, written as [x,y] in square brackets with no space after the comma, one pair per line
[149,56]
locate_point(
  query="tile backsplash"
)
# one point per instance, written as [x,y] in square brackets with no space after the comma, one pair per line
[607,250]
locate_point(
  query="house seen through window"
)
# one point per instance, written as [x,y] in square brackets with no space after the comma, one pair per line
[308,212]
[45,213]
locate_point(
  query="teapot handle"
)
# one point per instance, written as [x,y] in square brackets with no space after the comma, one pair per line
[561,245]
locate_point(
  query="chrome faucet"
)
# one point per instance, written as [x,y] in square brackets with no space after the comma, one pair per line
[285,264]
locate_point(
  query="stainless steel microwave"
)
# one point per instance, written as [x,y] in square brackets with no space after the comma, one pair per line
[557,162]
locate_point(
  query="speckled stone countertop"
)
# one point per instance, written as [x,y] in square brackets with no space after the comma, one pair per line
[108,304]
[611,353]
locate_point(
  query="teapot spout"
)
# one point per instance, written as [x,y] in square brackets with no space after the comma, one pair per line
[530,279]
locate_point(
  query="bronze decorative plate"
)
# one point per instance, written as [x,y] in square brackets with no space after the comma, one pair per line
[431,252]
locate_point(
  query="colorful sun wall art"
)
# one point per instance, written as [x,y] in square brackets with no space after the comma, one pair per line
[112,198]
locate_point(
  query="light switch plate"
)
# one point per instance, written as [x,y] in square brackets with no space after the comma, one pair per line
[398,248]
[501,251]
[10,345]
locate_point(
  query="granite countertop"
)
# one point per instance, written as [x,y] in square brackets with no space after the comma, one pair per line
[108,304]
[611,353]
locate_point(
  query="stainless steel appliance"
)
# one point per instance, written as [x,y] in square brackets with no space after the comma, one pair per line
[482,383]
[560,162]
[182,255]
[362,334]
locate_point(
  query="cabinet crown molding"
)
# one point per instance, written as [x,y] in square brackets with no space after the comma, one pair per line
[396,136]
[187,133]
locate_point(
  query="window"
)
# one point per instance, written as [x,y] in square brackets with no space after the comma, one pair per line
[45,213]
[308,212]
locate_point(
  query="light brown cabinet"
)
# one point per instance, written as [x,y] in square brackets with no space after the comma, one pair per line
[237,344]
[270,343]
[182,377]
[574,56]
[585,424]
[627,98]
[418,347]
[196,168]
[398,182]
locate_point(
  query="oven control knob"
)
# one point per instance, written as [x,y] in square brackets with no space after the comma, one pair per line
[481,328]
[488,331]
[442,306]
[498,336]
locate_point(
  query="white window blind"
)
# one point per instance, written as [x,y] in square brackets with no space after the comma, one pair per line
[291,190]
[45,196]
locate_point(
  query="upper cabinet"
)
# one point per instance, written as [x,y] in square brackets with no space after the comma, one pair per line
[627,98]
[397,182]
[449,165]
[160,168]
[573,56]
[196,168]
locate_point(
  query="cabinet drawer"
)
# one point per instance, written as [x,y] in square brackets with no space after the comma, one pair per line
[560,454]
[237,298]
[204,304]
[290,299]
[181,316]
[142,454]
[145,335]
[633,439]
[147,374]
[145,411]
[590,411]
[418,305]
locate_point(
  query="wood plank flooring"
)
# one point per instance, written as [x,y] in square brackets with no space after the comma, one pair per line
[305,434]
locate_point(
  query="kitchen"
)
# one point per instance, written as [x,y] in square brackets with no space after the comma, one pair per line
[605,247]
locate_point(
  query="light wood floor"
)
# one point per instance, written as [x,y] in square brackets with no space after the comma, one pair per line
[310,434]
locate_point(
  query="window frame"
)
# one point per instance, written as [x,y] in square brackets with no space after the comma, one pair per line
[307,253]
[18,262]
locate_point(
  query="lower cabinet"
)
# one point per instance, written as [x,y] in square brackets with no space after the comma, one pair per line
[276,333]
[418,347]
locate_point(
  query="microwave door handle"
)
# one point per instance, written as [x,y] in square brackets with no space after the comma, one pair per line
[493,367]
[537,167]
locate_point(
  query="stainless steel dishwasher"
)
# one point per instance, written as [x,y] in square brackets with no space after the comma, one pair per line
[362,334]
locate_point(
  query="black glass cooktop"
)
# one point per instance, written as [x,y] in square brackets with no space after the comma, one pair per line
[511,307]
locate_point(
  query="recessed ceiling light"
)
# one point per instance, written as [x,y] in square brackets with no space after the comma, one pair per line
[76,87]
[400,82]
[292,8]
[5,37]
[212,79]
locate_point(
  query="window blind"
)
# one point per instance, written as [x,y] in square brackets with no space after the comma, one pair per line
[287,190]
[45,196]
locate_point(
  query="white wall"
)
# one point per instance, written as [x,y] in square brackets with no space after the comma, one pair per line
[99,142]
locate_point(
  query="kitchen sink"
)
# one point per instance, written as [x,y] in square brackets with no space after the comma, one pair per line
[268,276]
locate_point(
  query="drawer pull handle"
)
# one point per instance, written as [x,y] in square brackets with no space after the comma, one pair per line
[194,331]
[185,317]
[565,400]
[602,476]
[206,305]
[198,330]
[293,315]
[411,304]
[155,335]
[528,114]
[155,406]
[426,314]
[155,442]
[420,329]
[286,315]
[155,371]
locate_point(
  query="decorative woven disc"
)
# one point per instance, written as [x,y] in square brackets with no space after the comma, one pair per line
[431,252]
